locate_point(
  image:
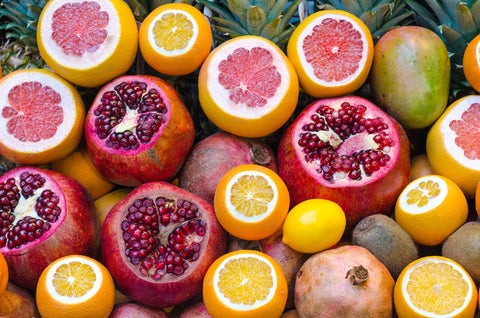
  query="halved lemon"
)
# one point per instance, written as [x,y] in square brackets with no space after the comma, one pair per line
[434,287]
[175,38]
[251,202]
[430,208]
[75,286]
[245,284]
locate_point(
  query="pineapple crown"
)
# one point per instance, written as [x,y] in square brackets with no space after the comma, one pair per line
[141,8]
[267,18]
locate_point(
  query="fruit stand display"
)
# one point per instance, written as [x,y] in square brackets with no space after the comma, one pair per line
[239,158]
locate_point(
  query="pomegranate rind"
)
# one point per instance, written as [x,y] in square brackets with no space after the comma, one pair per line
[121,57]
[163,159]
[77,233]
[446,158]
[70,138]
[239,119]
[168,291]
[358,199]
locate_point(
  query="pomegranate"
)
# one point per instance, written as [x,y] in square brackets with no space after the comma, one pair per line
[347,281]
[215,155]
[133,309]
[44,215]
[138,130]
[195,310]
[17,302]
[158,243]
[346,150]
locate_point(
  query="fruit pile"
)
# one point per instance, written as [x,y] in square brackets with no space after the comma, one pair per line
[239,158]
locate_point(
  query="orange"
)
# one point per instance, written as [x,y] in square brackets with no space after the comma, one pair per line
[434,287]
[453,144]
[248,87]
[332,52]
[175,38]
[75,286]
[314,225]
[430,208]
[42,117]
[245,284]
[251,202]
[79,166]
[88,43]
[3,274]
[471,63]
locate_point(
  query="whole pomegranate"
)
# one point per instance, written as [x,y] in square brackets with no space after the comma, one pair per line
[136,310]
[158,243]
[138,130]
[347,282]
[346,150]
[44,215]
[18,302]
[215,155]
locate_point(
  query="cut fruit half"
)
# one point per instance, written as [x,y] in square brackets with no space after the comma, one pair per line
[332,52]
[175,38]
[88,42]
[75,286]
[453,144]
[435,287]
[245,283]
[251,202]
[248,87]
[42,116]
[431,208]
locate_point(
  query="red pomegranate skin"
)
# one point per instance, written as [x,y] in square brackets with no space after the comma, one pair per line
[136,310]
[163,160]
[77,234]
[196,310]
[215,155]
[171,289]
[325,286]
[357,201]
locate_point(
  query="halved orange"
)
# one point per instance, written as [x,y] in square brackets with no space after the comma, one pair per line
[41,118]
[87,42]
[175,39]
[453,144]
[430,208]
[248,87]
[245,284]
[75,286]
[471,63]
[332,52]
[251,202]
[434,287]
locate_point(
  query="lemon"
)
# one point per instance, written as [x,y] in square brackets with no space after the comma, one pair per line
[314,225]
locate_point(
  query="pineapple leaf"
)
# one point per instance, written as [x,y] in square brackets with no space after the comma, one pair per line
[271,28]
[453,38]
[276,10]
[353,6]
[424,16]
[34,10]
[374,18]
[442,16]
[266,5]
[288,14]
[451,6]
[335,4]
[226,31]
[256,19]
[282,38]
[239,8]
[395,21]
[475,8]
[366,5]
[231,25]
[218,9]
[465,22]
[139,8]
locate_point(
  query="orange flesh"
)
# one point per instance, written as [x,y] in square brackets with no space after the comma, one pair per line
[173,32]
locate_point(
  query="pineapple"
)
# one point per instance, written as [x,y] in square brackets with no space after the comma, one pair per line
[379,15]
[266,18]
[456,23]
[18,48]
[141,8]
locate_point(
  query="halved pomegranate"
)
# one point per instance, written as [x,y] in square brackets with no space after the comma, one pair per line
[138,130]
[346,150]
[158,243]
[44,215]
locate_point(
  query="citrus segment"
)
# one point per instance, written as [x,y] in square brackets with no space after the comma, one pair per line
[332,52]
[87,42]
[248,87]
[42,114]
[175,39]
[251,202]
[431,208]
[245,283]
[452,145]
[75,286]
[435,286]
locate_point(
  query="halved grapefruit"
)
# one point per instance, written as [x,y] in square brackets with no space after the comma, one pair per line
[42,117]
[332,52]
[248,87]
[87,42]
